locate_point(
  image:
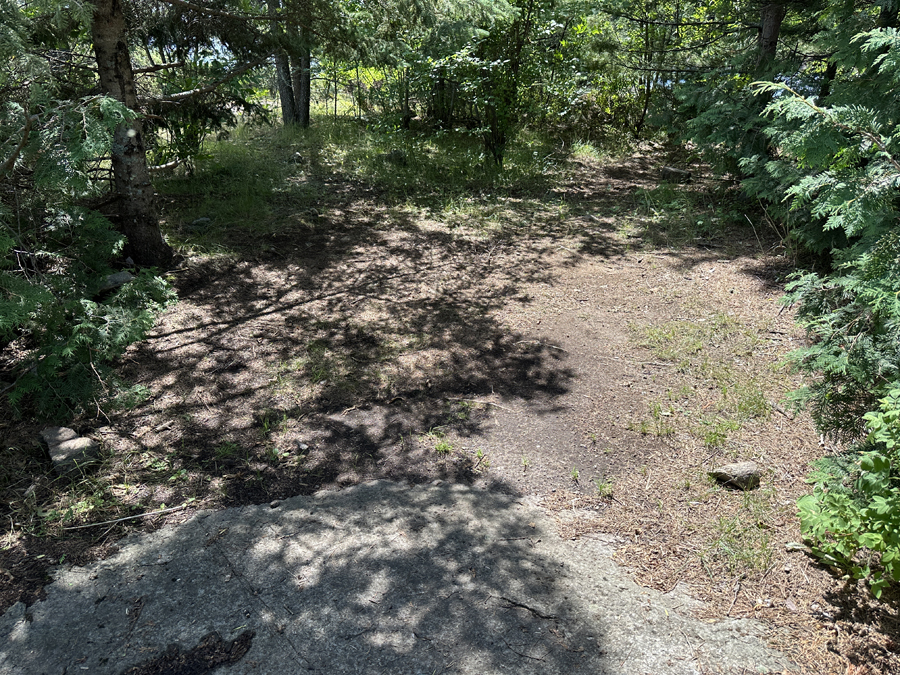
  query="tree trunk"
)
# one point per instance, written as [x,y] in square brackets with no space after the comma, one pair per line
[770,26]
[305,85]
[830,74]
[137,217]
[301,79]
[888,18]
[285,88]
[283,72]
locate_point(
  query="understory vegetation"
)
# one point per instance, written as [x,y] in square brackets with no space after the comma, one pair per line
[468,114]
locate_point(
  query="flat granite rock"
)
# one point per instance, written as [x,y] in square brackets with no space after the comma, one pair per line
[56,435]
[377,578]
[69,451]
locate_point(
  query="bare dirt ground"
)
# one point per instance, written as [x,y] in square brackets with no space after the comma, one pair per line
[557,343]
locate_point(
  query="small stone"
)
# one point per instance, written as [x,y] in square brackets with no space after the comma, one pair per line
[274,504]
[74,454]
[302,447]
[742,475]
[56,435]
[115,280]
[672,175]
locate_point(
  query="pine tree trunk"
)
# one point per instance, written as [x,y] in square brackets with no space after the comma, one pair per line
[285,89]
[283,72]
[770,26]
[305,85]
[137,217]
[301,81]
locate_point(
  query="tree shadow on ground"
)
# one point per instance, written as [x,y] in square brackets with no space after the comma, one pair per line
[866,628]
[330,348]
[376,578]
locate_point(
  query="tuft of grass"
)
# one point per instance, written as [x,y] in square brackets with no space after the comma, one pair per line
[603,487]
[584,150]
[715,431]
[722,387]
[273,454]
[658,424]
[461,411]
[437,439]
[738,546]
[443,447]
[482,463]
[227,450]
[680,215]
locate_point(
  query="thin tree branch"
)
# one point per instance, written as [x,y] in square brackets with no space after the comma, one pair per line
[287,17]
[217,12]
[676,24]
[138,515]
[161,66]
[875,138]
[182,95]
[25,131]
[156,168]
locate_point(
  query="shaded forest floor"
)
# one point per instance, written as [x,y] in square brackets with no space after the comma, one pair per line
[587,335]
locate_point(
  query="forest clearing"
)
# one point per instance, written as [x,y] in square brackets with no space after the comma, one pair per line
[577,337]
[629,272]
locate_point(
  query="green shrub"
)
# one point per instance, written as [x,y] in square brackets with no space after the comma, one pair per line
[852,517]
[852,318]
[836,166]
[69,332]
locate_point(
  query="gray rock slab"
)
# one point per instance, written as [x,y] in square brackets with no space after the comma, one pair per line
[73,455]
[378,578]
[115,280]
[56,435]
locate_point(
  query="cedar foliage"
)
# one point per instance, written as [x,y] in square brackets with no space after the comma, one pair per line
[837,168]
[55,252]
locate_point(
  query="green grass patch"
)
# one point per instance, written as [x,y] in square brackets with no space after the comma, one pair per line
[722,386]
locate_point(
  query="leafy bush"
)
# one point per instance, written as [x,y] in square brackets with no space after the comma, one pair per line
[838,167]
[853,515]
[59,331]
[70,332]
[853,319]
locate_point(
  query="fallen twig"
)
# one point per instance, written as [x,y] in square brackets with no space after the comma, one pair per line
[474,400]
[138,515]
[542,344]
[737,592]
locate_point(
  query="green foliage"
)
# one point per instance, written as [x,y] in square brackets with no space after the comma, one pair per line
[852,517]
[55,255]
[835,174]
[853,319]
[181,130]
[71,332]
